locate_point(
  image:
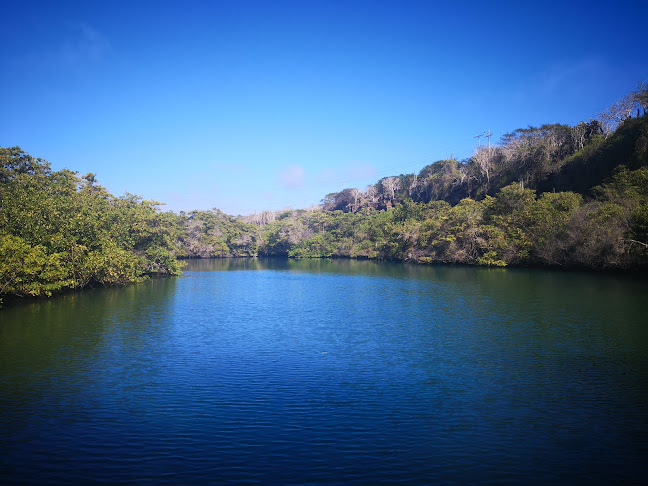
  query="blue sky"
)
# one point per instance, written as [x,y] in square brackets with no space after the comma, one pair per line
[246,105]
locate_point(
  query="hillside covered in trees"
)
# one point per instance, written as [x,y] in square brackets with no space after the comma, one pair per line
[557,195]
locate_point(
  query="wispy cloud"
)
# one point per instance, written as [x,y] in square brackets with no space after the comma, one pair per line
[361,170]
[76,46]
[557,76]
[578,83]
[352,174]
[292,177]
[82,46]
[86,45]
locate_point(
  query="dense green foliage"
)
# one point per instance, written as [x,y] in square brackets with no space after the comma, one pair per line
[513,227]
[61,231]
[461,212]
[213,234]
[500,207]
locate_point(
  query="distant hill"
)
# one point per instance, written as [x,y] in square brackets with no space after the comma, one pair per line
[555,195]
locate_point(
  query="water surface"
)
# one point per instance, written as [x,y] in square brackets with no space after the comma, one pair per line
[329,372]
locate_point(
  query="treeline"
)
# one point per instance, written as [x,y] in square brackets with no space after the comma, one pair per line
[552,196]
[514,227]
[555,195]
[548,158]
[61,231]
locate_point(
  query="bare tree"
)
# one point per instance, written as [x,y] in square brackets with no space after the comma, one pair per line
[413,186]
[255,218]
[462,173]
[640,97]
[611,118]
[578,134]
[623,109]
[371,194]
[355,194]
[391,185]
[268,217]
[260,219]
[484,160]
[532,152]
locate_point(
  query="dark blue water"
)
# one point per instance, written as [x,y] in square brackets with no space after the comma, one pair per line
[329,372]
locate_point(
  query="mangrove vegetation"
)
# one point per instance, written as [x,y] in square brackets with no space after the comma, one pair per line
[555,195]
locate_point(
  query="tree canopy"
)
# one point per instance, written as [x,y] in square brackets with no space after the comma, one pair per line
[553,195]
[61,231]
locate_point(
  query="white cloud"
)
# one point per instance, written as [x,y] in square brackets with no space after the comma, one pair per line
[362,170]
[292,177]
[352,174]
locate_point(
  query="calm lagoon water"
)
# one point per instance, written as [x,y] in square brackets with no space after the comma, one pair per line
[329,372]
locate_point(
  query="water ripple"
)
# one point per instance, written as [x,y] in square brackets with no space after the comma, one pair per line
[387,375]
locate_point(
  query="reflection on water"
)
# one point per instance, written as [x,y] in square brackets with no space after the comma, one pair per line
[279,371]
